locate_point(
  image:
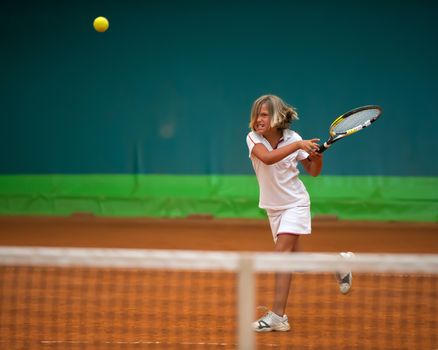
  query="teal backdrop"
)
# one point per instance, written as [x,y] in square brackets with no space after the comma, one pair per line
[166,93]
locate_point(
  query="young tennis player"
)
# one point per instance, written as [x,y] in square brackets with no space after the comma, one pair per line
[275,151]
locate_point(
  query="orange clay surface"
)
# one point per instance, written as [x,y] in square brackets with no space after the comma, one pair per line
[214,234]
[123,309]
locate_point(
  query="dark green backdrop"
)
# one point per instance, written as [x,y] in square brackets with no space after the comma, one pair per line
[168,90]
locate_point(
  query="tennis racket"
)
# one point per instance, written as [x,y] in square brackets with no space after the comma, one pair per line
[350,123]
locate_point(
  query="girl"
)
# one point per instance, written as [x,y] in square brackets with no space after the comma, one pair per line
[275,152]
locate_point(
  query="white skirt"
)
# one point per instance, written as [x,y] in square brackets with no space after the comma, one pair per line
[295,221]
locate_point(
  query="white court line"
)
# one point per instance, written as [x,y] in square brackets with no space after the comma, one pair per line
[144,342]
[132,342]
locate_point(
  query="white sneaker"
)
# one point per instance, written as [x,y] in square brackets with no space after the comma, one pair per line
[345,278]
[271,322]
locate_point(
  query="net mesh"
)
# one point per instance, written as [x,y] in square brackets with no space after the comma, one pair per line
[358,119]
[114,299]
[383,311]
[64,308]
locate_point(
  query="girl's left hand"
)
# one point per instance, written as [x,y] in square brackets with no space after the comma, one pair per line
[315,156]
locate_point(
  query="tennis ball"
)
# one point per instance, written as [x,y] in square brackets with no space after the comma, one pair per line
[101,24]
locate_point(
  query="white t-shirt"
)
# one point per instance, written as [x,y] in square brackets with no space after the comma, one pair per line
[280,187]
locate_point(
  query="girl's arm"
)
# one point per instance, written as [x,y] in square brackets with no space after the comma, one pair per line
[313,164]
[274,156]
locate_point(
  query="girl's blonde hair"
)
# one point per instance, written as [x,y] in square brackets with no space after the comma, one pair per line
[281,113]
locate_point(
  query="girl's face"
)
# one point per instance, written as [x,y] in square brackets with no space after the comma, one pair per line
[263,120]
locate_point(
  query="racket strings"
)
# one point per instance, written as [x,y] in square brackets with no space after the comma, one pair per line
[360,118]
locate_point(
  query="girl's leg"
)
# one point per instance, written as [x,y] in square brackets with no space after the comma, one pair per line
[285,243]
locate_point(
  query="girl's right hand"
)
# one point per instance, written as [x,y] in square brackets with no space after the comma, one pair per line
[309,145]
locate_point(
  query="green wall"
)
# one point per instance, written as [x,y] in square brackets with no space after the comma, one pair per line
[167,91]
[226,196]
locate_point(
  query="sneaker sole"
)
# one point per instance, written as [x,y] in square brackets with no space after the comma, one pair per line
[283,328]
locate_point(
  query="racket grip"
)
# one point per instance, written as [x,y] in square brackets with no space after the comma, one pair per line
[323,147]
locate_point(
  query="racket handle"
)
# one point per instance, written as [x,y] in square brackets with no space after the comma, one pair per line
[323,147]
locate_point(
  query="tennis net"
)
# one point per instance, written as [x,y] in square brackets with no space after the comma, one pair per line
[71,298]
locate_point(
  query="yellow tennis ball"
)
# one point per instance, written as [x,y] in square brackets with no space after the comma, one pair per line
[101,24]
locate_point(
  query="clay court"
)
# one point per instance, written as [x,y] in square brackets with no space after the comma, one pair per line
[117,309]
[203,233]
